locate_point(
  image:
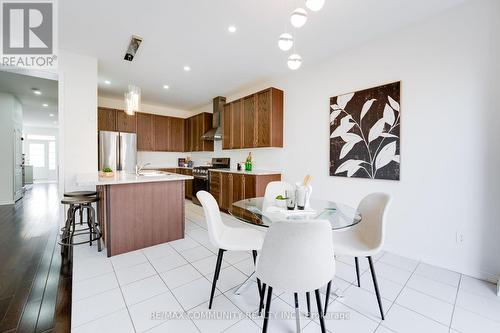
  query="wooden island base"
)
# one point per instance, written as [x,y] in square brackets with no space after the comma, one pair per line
[138,215]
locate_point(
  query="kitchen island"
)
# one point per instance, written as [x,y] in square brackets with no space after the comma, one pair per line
[137,211]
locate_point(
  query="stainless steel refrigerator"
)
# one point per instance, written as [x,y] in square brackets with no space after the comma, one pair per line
[118,151]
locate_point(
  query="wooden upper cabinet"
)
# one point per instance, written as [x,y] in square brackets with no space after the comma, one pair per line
[176,134]
[236,124]
[161,130]
[254,121]
[187,135]
[226,127]
[145,132]
[264,118]
[125,123]
[106,119]
[193,130]
[249,120]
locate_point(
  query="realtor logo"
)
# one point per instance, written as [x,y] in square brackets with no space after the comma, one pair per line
[28,34]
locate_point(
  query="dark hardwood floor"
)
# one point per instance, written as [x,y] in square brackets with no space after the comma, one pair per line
[35,281]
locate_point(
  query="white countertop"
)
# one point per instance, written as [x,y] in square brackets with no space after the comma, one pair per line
[255,172]
[121,177]
[156,167]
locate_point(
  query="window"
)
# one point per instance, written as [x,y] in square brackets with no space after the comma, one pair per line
[37,155]
[52,155]
[41,137]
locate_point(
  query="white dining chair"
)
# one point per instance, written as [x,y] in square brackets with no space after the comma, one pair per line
[227,238]
[365,239]
[273,189]
[296,257]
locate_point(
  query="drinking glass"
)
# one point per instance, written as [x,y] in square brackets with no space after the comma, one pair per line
[290,200]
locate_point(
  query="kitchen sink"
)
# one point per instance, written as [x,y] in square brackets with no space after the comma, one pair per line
[152,173]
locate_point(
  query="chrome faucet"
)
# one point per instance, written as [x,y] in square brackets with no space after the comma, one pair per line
[138,169]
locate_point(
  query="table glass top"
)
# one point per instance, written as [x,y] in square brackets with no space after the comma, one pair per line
[263,213]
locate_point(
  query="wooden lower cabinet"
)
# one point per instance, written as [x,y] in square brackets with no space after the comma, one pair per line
[215,185]
[227,187]
[189,183]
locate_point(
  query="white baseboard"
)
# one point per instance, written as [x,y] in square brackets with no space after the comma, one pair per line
[6,203]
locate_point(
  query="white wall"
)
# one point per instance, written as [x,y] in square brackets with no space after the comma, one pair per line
[11,116]
[449,184]
[77,117]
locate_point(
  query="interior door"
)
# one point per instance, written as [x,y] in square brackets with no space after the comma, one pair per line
[18,160]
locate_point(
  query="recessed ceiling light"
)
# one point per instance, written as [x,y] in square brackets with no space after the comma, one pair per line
[107,82]
[36,91]
[51,115]
[45,105]
[187,68]
[165,86]
[231,29]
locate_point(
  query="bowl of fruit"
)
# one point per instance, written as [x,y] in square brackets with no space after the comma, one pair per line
[280,201]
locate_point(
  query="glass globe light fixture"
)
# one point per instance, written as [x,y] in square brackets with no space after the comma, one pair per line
[298,17]
[285,42]
[294,61]
[315,5]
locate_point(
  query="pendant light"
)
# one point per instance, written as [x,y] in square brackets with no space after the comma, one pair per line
[294,61]
[298,17]
[132,100]
[285,42]
[315,5]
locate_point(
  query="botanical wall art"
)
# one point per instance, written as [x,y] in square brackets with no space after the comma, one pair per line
[364,133]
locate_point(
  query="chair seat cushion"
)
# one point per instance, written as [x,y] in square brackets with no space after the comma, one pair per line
[242,239]
[350,244]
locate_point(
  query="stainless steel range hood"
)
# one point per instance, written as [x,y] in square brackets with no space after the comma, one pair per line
[215,133]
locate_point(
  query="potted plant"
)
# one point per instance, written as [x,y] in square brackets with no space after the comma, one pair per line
[106,172]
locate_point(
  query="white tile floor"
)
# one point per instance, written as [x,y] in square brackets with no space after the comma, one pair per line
[134,292]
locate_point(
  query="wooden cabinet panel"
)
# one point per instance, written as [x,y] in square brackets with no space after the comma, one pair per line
[215,186]
[125,123]
[145,132]
[106,119]
[207,145]
[238,187]
[187,138]
[250,187]
[236,124]
[176,134]
[193,129]
[248,122]
[264,118]
[226,127]
[161,129]
[226,194]
[188,183]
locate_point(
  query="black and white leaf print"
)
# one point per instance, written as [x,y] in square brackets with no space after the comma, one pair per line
[365,133]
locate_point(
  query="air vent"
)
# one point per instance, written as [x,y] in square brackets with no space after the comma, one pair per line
[135,42]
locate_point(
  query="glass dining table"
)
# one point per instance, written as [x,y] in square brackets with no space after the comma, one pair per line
[261,212]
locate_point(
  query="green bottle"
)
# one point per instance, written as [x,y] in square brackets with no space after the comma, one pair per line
[248,163]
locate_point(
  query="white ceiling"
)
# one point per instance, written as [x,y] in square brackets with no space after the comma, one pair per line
[34,114]
[194,33]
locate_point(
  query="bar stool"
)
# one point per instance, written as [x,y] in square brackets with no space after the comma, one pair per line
[70,231]
[80,194]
